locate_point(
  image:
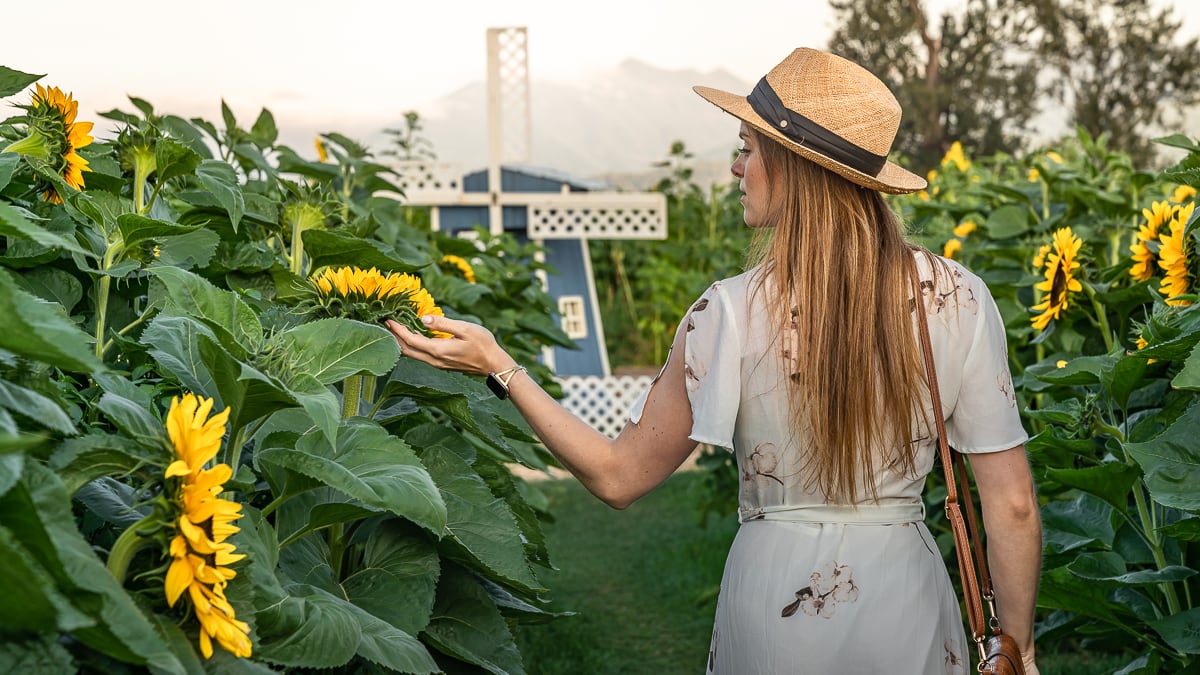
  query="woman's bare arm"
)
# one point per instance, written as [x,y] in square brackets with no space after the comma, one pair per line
[1014,538]
[618,471]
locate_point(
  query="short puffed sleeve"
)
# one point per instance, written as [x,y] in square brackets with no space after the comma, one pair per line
[712,368]
[985,417]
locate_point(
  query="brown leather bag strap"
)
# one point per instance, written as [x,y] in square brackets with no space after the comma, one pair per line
[963,544]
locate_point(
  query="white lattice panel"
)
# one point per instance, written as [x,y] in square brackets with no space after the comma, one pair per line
[603,402]
[428,183]
[598,215]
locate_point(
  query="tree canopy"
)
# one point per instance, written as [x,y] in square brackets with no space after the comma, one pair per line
[982,71]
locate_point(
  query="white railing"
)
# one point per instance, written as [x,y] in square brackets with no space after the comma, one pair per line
[603,402]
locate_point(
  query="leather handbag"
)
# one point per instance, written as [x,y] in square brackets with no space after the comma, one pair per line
[998,652]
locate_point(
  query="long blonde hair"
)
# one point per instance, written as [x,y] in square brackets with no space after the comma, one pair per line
[839,287]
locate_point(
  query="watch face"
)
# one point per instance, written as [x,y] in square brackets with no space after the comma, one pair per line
[497,386]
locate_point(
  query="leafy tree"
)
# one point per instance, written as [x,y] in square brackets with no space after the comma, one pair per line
[960,77]
[974,73]
[1116,63]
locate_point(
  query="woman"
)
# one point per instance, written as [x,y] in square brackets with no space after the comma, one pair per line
[809,368]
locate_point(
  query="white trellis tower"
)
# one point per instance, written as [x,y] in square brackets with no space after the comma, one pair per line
[544,206]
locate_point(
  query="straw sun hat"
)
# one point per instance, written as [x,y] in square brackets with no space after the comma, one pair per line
[828,110]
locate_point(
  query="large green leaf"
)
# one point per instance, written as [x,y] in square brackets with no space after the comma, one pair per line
[1077,523]
[1171,462]
[14,224]
[479,522]
[1181,631]
[14,81]
[8,164]
[465,400]
[1110,482]
[331,247]
[1060,589]
[1109,566]
[468,626]
[53,284]
[47,529]
[136,229]
[333,349]
[310,629]
[1187,529]
[397,579]
[42,331]
[225,312]
[220,180]
[37,655]
[191,351]
[80,460]
[384,644]
[1189,375]
[130,409]
[35,406]
[188,251]
[369,465]
[31,601]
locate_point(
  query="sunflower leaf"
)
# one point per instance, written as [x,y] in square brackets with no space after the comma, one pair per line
[397,578]
[42,331]
[369,465]
[480,524]
[38,655]
[13,224]
[468,626]
[14,81]
[47,524]
[333,349]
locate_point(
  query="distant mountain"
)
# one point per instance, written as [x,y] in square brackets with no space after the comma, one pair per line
[613,126]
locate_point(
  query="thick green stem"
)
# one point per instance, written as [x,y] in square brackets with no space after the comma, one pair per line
[102,289]
[141,173]
[367,394]
[1045,200]
[297,251]
[351,395]
[1150,535]
[127,546]
[1101,316]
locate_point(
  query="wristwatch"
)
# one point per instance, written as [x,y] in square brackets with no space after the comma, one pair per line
[498,382]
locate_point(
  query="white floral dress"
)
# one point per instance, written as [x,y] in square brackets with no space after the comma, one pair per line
[815,588]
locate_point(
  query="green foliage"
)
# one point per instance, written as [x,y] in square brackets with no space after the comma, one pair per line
[382,528]
[645,287]
[977,72]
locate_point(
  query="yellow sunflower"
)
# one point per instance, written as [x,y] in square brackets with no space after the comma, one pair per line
[953,246]
[955,156]
[1173,257]
[1060,280]
[965,228]
[1039,260]
[372,296]
[322,154]
[200,554]
[461,265]
[53,138]
[1143,255]
[1183,193]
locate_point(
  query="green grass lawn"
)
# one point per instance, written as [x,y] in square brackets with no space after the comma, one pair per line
[642,585]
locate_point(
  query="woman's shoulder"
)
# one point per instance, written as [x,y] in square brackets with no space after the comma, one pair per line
[735,287]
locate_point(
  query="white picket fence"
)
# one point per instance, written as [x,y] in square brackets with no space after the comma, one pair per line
[603,402]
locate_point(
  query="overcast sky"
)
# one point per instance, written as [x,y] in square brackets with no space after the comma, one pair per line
[360,64]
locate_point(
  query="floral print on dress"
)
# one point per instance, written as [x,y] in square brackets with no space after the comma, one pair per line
[961,294]
[829,586]
[1005,383]
[954,662]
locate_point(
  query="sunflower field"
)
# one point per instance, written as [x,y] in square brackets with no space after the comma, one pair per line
[213,457]
[1095,266]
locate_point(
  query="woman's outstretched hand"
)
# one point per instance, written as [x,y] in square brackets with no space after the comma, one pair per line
[470,349]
